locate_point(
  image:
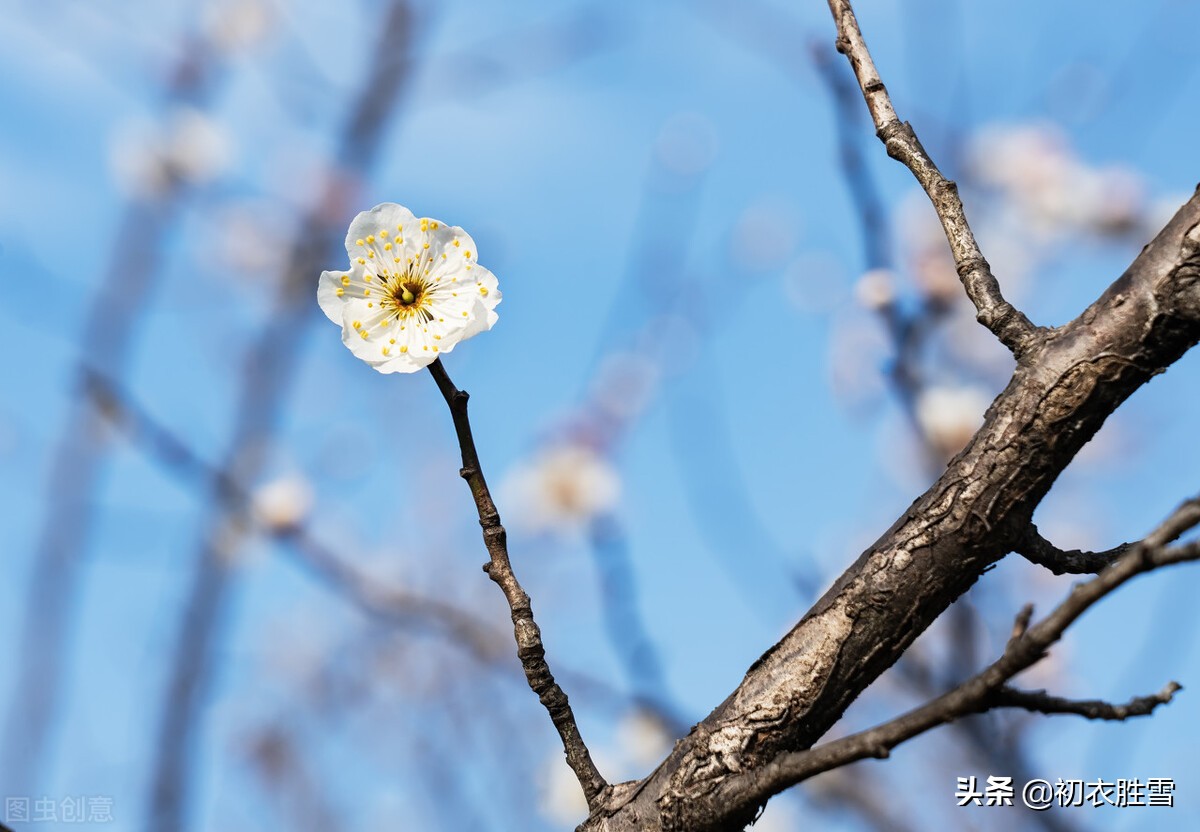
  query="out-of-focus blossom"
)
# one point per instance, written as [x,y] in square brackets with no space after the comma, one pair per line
[251,238]
[284,503]
[927,253]
[562,489]
[642,738]
[876,289]
[413,290]
[234,25]
[1036,167]
[949,416]
[189,148]
[560,798]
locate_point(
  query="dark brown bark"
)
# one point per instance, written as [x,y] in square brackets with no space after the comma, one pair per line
[1066,383]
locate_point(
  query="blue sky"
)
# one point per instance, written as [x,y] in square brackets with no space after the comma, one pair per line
[610,189]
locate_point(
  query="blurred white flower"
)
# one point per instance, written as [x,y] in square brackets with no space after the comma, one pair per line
[949,416]
[250,238]
[233,25]
[927,253]
[1035,166]
[642,738]
[188,147]
[197,147]
[284,503]
[560,798]
[412,292]
[562,489]
[876,289]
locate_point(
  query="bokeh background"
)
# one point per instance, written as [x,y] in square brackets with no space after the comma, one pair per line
[242,575]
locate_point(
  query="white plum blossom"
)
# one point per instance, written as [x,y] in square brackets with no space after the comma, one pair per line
[876,289]
[284,503]
[562,489]
[187,147]
[412,292]
[949,416]
[643,738]
[1036,167]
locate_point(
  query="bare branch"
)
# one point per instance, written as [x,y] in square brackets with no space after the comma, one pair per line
[1041,702]
[1036,549]
[938,548]
[530,649]
[988,688]
[1004,320]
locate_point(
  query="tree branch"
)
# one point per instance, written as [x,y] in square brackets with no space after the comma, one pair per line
[1059,396]
[1004,320]
[530,649]
[1041,702]
[988,689]
[1037,549]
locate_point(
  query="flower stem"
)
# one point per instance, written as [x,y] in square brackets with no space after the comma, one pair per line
[530,650]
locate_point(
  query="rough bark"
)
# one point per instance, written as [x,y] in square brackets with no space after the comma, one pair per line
[1066,383]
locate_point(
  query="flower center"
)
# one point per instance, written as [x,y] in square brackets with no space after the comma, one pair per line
[407,295]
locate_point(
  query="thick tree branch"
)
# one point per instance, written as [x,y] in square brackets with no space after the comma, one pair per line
[1060,394]
[1004,320]
[1037,549]
[988,689]
[529,638]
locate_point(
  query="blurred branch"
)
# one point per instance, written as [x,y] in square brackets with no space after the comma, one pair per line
[389,604]
[269,371]
[529,52]
[626,628]
[529,638]
[392,604]
[1004,320]
[873,223]
[78,460]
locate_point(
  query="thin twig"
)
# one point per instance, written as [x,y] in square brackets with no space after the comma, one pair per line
[530,650]
[1037,549]
[1004,320]
[1041,702]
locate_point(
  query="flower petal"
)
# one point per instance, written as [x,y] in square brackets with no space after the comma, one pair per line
[328,297]
[387,216]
